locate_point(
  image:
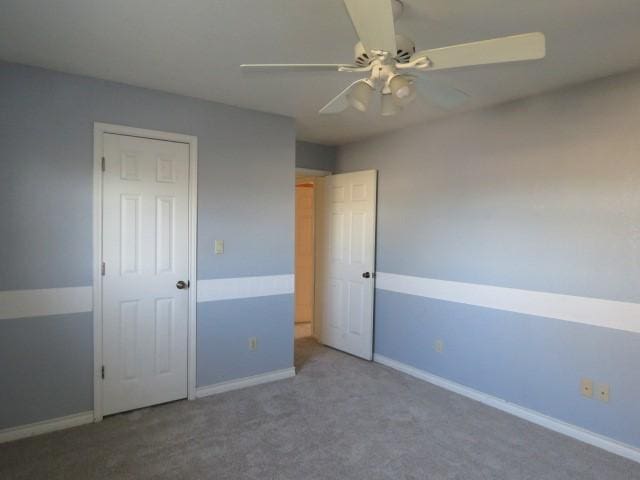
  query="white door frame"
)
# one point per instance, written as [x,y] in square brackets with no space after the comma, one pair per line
[99,129]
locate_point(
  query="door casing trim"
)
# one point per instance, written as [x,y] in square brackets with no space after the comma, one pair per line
[99,129]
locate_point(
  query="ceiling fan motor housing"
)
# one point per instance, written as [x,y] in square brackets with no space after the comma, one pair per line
[405,48]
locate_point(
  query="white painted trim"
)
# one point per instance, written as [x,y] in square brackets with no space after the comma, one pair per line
[44,302]
[245,382]
[311,172]
[102,128]
[216,289]
[59,301]
[99,129]
[573,431]
[590,311]
[193,266]
[46,426]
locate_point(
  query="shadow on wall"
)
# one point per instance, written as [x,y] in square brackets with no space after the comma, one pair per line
[316,157]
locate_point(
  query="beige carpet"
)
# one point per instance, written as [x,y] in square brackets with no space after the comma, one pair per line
[339,418]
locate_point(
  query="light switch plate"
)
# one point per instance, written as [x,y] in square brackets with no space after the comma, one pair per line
[439,346]
[219,247]
[586,387]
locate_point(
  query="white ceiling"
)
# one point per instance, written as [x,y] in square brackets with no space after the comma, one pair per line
[194,47]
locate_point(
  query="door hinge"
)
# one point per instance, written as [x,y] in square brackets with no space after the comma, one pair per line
[102,371]
[103,269]
[104,164]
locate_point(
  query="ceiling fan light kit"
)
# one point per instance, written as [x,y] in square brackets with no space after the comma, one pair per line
[388,106]
[385,56]
[402,89]
[360,95]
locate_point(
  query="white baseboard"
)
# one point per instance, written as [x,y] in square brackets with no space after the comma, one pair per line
[45,426]
[586,436]
[245,382]
[303,330]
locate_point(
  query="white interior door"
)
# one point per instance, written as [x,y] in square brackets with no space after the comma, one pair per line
[346,260]
[145,253]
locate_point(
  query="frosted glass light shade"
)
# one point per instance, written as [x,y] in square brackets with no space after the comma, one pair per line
[388,106]
[360,96]
[402,89]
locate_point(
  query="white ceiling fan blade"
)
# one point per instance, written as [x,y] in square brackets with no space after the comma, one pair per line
[294,66]
[443,95]
[340,103]
[373,21]
[528,46]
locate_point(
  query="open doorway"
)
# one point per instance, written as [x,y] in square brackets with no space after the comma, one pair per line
[308,183]
[335,225]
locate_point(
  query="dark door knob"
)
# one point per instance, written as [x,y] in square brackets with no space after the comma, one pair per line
[366,275]
[181,285]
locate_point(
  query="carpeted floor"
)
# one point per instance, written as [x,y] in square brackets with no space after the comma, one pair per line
[339,418]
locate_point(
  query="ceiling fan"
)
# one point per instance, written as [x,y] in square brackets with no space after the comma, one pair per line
[387,57]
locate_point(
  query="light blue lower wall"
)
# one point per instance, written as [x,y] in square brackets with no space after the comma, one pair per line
[532,361]
[47,362]
[224,328]
[46,367]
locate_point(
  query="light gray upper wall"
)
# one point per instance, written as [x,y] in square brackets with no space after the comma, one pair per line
[540,194]
[314,156]
[245,176]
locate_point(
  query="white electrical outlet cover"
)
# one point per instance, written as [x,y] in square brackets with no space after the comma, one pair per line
[603,392]
[586,387]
